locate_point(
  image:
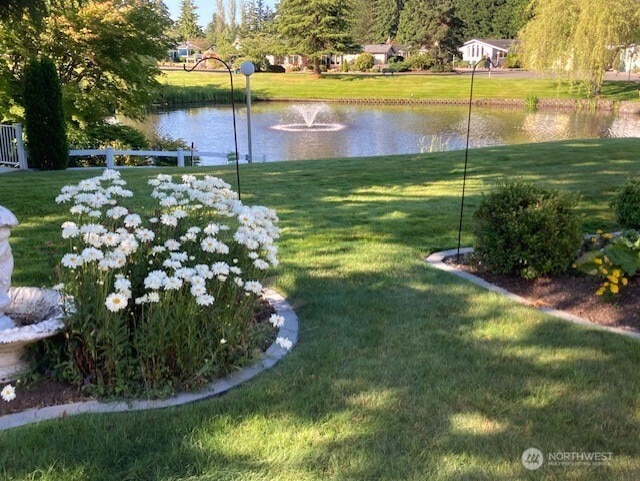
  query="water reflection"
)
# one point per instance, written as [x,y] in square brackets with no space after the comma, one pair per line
[380,129]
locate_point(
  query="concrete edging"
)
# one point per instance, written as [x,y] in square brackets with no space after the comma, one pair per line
[437,260]
[267,360]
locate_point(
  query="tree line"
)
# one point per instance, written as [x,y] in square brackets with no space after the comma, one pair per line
[104,53]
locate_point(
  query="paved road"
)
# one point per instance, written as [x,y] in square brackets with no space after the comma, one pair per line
[506,73]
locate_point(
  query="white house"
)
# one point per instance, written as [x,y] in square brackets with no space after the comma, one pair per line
[477,49]
[381,53]
[630,59]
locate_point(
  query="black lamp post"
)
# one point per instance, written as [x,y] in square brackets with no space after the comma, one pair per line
[487,62]
[233,112]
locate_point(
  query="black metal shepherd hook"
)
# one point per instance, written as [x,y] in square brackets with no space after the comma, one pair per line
[233,111]
[487,63]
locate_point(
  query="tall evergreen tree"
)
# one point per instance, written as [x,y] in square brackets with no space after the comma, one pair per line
[315,27]
[187,23]
[491,18]
[430,24]
[361,19]
[387,18]
[44,116]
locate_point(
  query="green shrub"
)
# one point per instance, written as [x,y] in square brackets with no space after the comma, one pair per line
[44,116]
[364,62]
[627,204]
[100,136]
[345,66]
[423,61]
[275,69]
[512,61]
[526,230]
[441,68]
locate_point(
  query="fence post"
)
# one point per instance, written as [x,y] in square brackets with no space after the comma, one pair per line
[180,157]
[110,158]
[22,156]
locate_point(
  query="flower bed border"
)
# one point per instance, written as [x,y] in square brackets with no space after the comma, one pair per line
[267,360]
[437,260]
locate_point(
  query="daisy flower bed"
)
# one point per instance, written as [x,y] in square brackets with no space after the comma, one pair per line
[161,303]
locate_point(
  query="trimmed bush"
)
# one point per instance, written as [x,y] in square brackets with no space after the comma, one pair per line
[627,204]
[526,230]
[363,62]
[44,116]
[423,61]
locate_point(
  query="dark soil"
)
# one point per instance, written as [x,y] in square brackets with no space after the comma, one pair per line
[41,392]
[572,292]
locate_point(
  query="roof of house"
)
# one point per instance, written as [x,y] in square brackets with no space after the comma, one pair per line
[501,44]
[379,48]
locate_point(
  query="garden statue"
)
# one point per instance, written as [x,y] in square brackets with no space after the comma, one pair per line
[7,220]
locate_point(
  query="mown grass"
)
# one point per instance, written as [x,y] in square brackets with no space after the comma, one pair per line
[428,87]
[402,372]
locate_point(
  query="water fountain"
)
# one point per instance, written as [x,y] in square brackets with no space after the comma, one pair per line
[309,113]
[27,314]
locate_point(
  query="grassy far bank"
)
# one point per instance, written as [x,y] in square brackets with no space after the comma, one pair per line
[352,86]
[402,372]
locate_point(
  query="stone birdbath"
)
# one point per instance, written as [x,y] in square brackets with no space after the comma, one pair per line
[27,314]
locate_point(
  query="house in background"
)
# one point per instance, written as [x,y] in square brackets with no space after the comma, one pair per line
[477,49]
[381,53]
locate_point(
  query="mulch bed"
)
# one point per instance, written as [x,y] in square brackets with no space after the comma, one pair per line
[573,292]
[43,392]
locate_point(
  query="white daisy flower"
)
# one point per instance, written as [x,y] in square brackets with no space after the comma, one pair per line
[8,393]
[205,300]
[284,343]
[276,320]
[72,261]
[116,302]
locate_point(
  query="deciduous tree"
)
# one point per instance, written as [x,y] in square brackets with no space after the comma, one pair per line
[579,40]
[105,53]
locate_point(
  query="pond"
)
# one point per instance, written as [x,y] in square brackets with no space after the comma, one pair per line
[280,131]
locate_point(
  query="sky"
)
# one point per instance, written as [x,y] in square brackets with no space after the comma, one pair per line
[205,9]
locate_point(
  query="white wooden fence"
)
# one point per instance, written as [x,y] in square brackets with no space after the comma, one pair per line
[12,153]
[110,153]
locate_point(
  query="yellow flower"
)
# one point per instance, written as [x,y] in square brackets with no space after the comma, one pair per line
[625,281]
[614,288]
[607,235]
[604,271]
[598,261]
[613,279]
[599,232]
[593,240]
[617,272]
[600,291]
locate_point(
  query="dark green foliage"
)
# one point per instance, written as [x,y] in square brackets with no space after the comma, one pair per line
[275,69]
[491,18]
[526,230]
[364,62]
[315,27]
[44,116]
[627,204]
[430,24]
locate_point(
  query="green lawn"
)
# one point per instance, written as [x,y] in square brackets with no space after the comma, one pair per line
[432,87]
[402,372]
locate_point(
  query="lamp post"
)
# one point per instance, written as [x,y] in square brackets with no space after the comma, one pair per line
[247,69]
[233,111]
